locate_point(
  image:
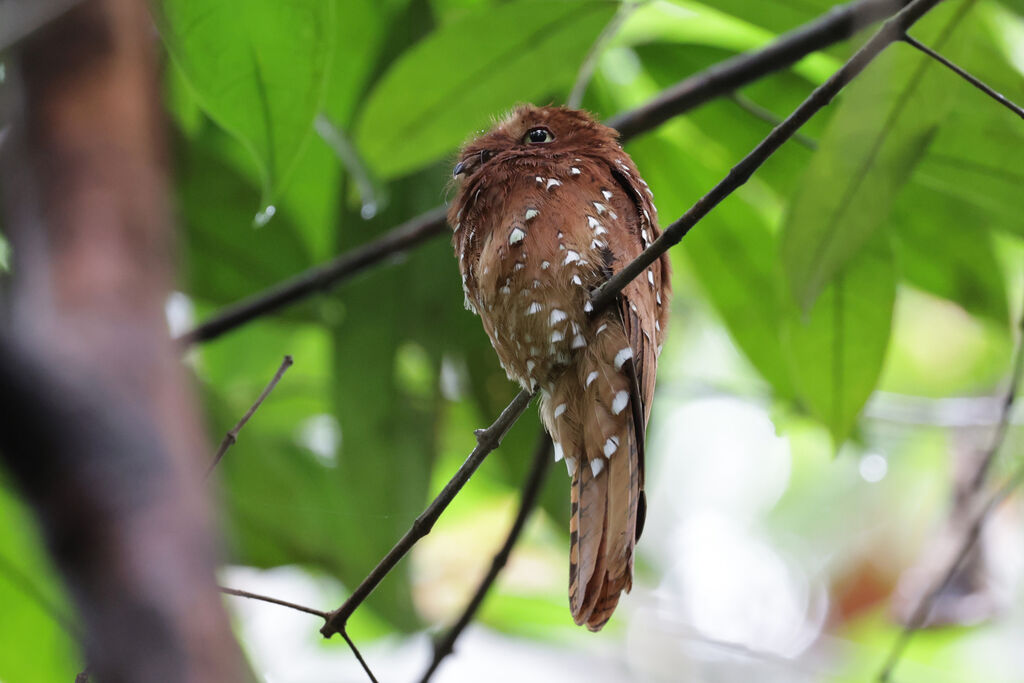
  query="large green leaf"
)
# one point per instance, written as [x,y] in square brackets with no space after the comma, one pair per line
[258,69]
[944,247]
[881,129]
[836,349]
[466,72]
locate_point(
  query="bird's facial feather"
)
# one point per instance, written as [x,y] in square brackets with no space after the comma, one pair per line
[531,131]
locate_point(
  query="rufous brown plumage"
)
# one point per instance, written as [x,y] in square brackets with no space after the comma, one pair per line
[549,207]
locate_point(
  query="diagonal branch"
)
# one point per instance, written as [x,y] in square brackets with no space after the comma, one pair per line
[445,645]
[976,82]
[893,30]
[231,438]
[488,439]
[924,608]
[836,25]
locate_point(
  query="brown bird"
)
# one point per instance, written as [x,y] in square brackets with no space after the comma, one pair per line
[548,209]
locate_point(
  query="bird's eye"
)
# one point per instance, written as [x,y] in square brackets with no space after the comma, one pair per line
[538,136]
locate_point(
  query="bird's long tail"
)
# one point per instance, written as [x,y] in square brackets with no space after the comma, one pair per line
[591,414]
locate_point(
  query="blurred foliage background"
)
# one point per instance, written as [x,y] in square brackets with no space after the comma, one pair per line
[843,331]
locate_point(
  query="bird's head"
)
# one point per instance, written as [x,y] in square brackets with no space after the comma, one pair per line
[540,133]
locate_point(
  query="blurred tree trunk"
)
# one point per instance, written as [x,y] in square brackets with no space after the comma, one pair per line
[102,434]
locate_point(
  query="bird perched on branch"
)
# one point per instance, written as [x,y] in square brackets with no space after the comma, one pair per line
[548,208]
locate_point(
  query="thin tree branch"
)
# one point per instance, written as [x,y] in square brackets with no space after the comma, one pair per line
[231,438]
[836,25]
[977,83]
[487,440]
[276,601]
[445,645]
[359,656]
[321,278]
[757,111]
[893,30]
[924,608]
[301,608]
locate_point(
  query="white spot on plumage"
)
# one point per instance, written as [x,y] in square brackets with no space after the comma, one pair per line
[518,266]
[619,402]
[590,378]
[516,236]
[658,297]
[600,230]
[610,446]
[650,276]
[596,465]
[557,316]
[540,181]
[531,214]
[530,365]
[534,308]
[457,226]
[657,326]
[571,257]
[604,326]
[536,284]
[587,306]
[560,410]
[570,465]
[607,195]
[576,280]
[553,182]
[578,342]
[622,356]
[559,453]
[597,244]
[593,222]
[574,170]
[601,208]
[557,336]
[544,265]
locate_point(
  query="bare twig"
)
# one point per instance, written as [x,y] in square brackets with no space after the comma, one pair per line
[586,70]
[838,24]
[445,645]
[320,278]
[276,601]
[301,608]
[893,30]
[231,438]
[757,111]
[487,440]
[923,610]
[359,656]
[977,83]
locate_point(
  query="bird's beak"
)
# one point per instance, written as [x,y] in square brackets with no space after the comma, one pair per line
[459,168]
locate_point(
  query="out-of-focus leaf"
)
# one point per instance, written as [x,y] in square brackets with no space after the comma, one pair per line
[836,349]
[882,127]
[943,249]
[777,17]
[5,255]
[227,258]
[458,78]
[258,70]
[35,635]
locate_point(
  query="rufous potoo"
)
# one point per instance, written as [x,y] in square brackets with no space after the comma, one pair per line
[549,207]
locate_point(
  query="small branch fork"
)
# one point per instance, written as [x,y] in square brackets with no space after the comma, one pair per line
[977,83]
[836,25]
[231,438]
[924,608]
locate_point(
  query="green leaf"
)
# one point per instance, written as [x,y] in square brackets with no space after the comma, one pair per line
[881,129]
[466,72]
[836,349]
[257,68]
[944,248]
